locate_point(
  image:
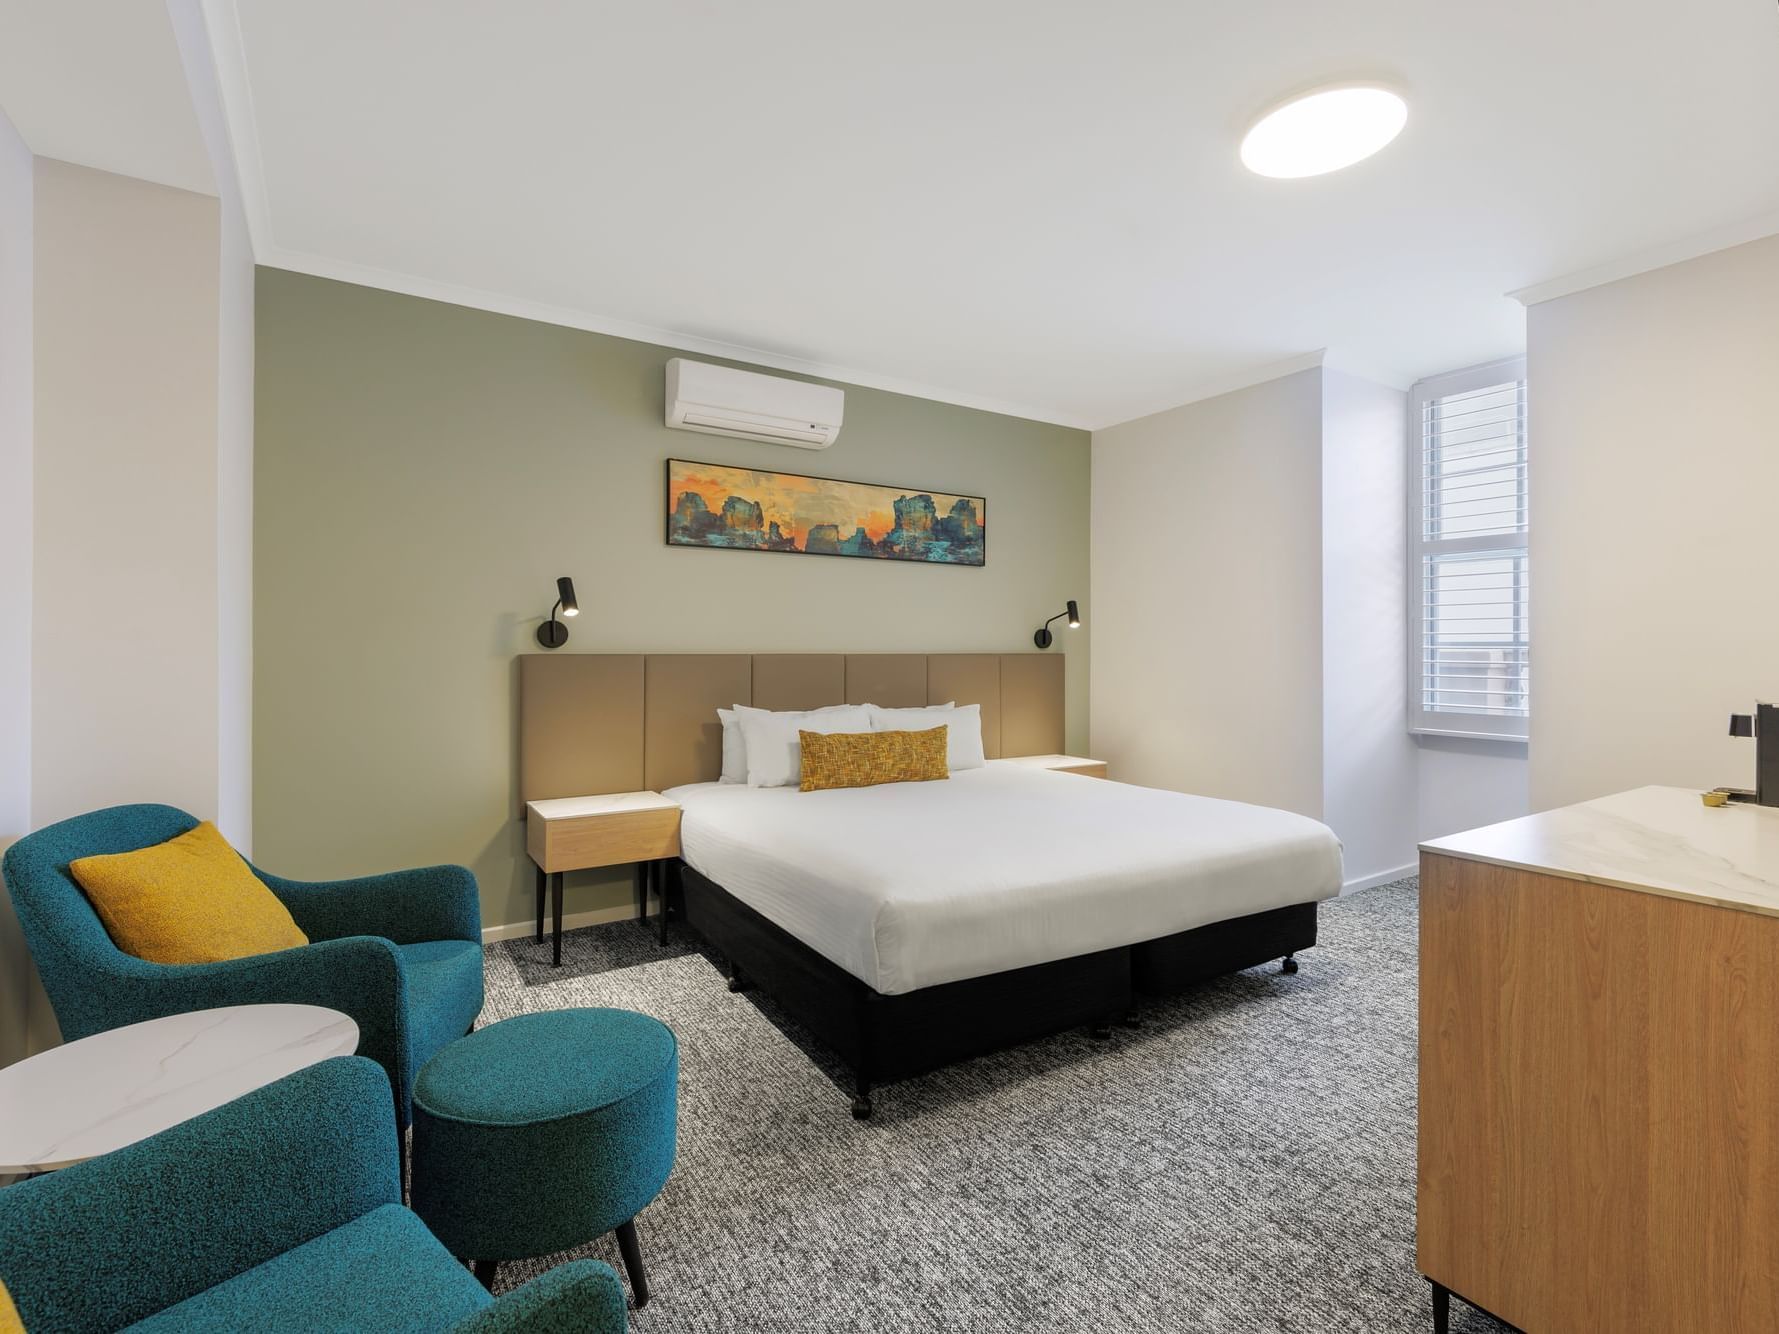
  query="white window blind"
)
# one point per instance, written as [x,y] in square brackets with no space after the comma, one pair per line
[1469,651]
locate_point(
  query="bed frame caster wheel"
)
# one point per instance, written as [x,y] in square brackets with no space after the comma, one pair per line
[737,982]
[861,1104]
[1288,964]
[1100,1032]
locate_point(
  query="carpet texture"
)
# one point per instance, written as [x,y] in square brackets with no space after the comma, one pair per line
[1242,1161]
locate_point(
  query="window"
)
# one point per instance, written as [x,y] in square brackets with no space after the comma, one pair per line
[1469,650]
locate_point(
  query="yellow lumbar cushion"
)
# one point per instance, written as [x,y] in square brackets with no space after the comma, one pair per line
[864,759]
[9,1314]
[188,900]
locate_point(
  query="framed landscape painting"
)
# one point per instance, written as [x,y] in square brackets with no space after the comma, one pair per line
[742,509]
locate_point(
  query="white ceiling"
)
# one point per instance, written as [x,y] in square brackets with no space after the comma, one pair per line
[1028,204]
[100,83]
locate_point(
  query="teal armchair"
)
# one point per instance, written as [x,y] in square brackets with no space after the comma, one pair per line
[278,1211]
[400,953]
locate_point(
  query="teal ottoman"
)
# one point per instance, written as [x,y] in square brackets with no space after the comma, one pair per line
[540,1133]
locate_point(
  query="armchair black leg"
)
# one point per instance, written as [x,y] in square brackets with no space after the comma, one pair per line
[484,1271]
[632,1253]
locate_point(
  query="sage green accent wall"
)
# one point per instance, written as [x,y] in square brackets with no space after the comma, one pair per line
[423,472]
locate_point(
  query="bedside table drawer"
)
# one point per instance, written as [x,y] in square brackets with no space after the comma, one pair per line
[582,842]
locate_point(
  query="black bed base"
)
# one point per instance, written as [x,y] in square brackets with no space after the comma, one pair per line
[885,1038]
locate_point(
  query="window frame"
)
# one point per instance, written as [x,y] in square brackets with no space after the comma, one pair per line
[1423,721]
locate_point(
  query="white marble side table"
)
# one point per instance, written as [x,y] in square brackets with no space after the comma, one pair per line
[89,1097]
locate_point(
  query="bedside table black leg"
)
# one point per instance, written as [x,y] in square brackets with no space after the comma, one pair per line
[541,886]
[640,885]
[556,915]
[660,870]
[1442,1307]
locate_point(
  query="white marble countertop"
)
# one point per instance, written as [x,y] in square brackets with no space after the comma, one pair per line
[86,1098]
[607,803]
[1656,840]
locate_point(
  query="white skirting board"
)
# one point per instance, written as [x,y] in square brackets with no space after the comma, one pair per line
[618,912]
[1381,878]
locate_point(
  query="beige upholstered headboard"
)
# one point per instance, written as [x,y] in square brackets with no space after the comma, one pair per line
[631,722]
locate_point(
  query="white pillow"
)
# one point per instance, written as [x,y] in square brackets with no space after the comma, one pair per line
[735,744]
[774,755]
[963,737]
[734,747]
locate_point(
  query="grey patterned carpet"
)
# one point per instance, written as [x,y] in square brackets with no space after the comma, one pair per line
[1243,1161]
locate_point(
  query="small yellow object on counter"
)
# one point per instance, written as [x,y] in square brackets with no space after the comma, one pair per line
[1715,798]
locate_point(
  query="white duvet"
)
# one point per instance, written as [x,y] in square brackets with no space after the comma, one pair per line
[909,885]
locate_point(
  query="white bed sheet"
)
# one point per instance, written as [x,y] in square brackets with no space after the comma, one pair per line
[909,885]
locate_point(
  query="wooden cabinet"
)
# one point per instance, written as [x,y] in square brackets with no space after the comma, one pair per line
[1599,1073]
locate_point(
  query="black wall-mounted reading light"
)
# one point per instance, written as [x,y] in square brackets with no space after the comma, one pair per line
[1043,637]
[552,633]
[1763,726]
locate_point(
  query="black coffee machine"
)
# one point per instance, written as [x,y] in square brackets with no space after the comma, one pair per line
[1763,726]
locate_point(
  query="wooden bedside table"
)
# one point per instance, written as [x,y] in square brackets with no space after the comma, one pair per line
[1067,764]
[580,833]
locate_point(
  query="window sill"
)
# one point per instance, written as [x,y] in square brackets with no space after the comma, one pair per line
[1458,733]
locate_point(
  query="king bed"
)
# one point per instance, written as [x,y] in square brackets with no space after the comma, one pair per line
[912,924]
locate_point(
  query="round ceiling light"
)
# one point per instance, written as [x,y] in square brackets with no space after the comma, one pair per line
[1324,131]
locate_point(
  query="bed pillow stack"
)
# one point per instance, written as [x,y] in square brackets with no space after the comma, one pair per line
[761,747]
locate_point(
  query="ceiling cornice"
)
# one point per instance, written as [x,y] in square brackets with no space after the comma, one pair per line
[229,60]
[1647,261]
[1217,385]
[408,284]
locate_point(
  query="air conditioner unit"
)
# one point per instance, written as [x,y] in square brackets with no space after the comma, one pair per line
[720,400]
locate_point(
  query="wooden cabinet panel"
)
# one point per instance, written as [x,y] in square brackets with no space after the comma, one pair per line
[1598,1079]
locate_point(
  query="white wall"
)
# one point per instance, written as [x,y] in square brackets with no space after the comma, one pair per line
[1207,596]
[125,639]
[1654,407]
[15,481]
[1369,759]
[15,562]
[1465,784]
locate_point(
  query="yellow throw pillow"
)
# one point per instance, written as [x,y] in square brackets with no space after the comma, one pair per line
[9,1314]
[864,759]
[188,900]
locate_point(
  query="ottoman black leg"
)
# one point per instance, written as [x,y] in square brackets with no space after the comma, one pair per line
[632,1253]
[484,1270]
